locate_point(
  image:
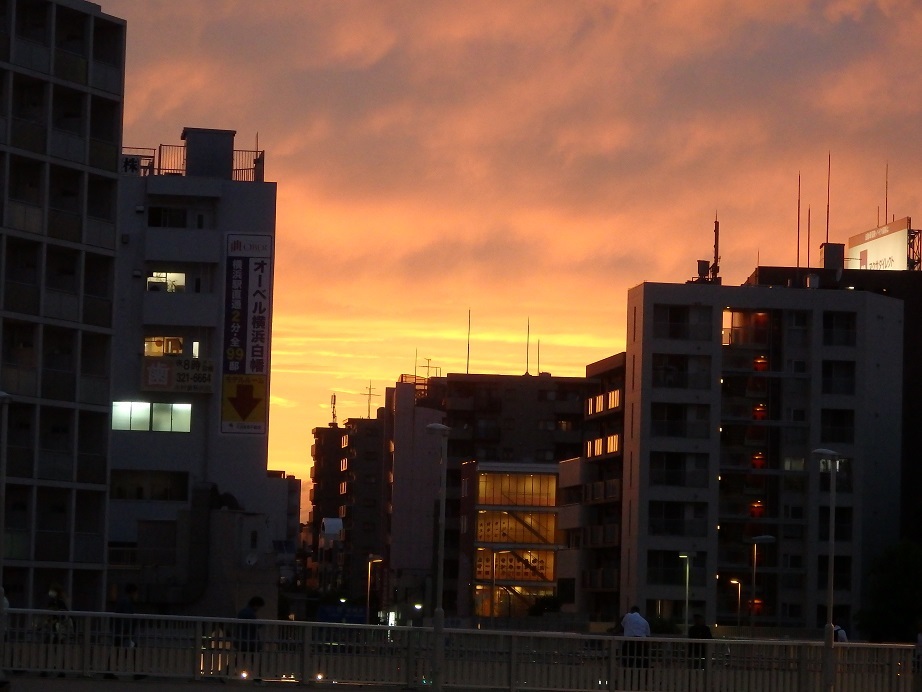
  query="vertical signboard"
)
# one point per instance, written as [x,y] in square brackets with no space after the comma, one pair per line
[248,301]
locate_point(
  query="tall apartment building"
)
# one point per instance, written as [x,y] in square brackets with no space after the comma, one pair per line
[589,499]
[61,88]
[349,487]
[728,392]
[191,360]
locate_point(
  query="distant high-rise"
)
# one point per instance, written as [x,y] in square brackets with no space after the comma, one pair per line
[728,393]
[62,82]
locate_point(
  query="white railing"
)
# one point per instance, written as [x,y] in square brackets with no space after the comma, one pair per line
[211,648]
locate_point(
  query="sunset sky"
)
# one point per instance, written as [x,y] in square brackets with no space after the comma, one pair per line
[524,161]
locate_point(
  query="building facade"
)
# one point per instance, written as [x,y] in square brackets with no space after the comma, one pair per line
[190,363]
[61,90]
[589,501]
[729,393]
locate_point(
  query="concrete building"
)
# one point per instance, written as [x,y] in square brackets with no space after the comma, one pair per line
[190,365]
[728,390]
[349,488]
[512,419]
[589,500]
[61,88]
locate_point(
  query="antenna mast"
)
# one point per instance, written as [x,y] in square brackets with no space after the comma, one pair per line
[333,406]
[798,223]
[368,393]
[715,268]
[527,342]
[828,178]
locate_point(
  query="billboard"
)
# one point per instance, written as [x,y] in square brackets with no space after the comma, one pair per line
[885,247]
[247,305]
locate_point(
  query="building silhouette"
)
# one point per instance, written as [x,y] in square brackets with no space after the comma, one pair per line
[62,81]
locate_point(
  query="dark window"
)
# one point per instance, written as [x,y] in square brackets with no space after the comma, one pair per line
[837,425]
[166,217]
[839,328]
[838,377]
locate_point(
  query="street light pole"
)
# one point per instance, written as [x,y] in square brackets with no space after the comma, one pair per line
[4,445]
[371,560]
[829,661]
[438,616]
[687,557]
[755,558]
[739,602]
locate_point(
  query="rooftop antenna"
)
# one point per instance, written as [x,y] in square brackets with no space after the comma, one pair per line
[527,343]
[539,356]
[828,179]
[368,393]
[715,268]
[808,236]
[333,406]
[798,221]
[467,365]
[886,189]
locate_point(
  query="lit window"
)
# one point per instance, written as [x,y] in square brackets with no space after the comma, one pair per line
[162,345]
[614,398]
[611,444]
[141,415]
[167,282]
[195,349]
[130,415]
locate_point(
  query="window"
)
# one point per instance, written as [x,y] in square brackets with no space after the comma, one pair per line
[684,322]
[162,345]
[614,398]
[344,464]
[142,415]
[838,377]
[167,282]
[839,328]
[837,425]
[166,217]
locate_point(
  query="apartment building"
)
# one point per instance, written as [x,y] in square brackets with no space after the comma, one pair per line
[589,499]
[61,89]
[190,368]
[729,392]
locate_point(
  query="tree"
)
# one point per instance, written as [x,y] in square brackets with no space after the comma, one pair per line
[894,595]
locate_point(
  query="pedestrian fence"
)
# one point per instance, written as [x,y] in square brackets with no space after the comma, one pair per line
[190,648]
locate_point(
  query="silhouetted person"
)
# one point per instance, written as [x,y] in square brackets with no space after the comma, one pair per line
[697,651]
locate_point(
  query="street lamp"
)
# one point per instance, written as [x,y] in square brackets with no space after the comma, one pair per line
[739,602]
[688,558]
[829,669]
[371,560]
[4,444]
[756,541]
[438,616]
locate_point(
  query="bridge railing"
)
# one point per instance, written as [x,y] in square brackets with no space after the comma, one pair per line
[214,648]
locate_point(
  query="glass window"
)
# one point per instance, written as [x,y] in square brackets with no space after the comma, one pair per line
[162,345]
[168,282]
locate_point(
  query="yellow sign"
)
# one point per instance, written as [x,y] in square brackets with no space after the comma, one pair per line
[244,404]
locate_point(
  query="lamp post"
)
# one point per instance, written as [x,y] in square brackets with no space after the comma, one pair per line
[4,444]
[371,560]
[438,615]
[739,602]
[756,541]
[829,661]
[688,558]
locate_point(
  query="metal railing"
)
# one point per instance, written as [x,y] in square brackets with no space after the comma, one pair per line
[211,648]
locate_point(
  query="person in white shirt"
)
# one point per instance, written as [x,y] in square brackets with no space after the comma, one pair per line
[634,625]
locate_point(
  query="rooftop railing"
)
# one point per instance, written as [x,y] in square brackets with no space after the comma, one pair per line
[170,159]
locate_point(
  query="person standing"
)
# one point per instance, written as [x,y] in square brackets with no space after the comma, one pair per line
[247,637]
[838,635]
[697,651]
[634,625]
